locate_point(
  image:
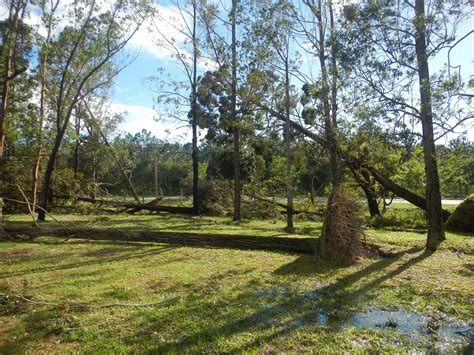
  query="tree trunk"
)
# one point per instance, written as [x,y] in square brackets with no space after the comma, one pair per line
[363,180]
[236,133]
[289,182]
[370,194]
[329,127]
[195,158]
[46,193]
[4,102]
[76,148]
[433,194]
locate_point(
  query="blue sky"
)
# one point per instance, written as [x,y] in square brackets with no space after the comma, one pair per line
[131,95]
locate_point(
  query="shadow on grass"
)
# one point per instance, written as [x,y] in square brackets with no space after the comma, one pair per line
[113,255]
[220,318]
[284,316]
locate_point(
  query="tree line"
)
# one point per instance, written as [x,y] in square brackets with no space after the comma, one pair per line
[306,95]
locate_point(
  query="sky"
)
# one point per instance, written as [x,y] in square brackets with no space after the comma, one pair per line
[135,99]
[133,96]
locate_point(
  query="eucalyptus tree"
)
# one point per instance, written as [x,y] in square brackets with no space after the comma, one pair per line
[390,49]
[48,21]
[222,23]
[272,43]
[187,50]
[12,53]
[317,25]
[81,62]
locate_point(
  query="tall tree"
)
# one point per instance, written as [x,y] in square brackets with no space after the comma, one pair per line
[386,40]
[48,19]
[187,21]
[320,32]
[275,24]
[11,52]
[82,63]
[225,55]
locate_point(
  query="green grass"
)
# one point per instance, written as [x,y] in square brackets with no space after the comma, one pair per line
[222,300]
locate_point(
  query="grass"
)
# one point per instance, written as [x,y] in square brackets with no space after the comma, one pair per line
[221,300]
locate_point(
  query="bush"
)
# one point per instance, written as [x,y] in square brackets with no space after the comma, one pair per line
[462,219]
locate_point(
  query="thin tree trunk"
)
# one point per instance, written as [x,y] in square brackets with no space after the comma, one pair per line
[433,194]
[42,77]
[76,148]
[329,128]
[195,157]
[4,103]
[39,151]
[289,187]
[236,133]
[311,187]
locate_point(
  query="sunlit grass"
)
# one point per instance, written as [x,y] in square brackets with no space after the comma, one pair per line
[220,300]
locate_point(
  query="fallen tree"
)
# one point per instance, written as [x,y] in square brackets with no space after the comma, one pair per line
[359,163]
[152,206]
[299,245]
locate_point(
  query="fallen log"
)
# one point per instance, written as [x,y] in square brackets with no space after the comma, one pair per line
[131,208]
[297,245]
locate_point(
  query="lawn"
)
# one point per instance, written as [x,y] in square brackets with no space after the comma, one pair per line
[60,295]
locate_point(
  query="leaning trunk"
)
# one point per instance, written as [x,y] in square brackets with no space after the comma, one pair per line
[46,194]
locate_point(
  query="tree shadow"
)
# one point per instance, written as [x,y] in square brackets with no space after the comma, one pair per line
[112,257]
[278,319]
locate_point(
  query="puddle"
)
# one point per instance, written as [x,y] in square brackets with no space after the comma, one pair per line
[321,317]
[311,296]
[441,334]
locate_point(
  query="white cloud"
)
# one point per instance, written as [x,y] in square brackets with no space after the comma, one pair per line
[139,117]
[164,36]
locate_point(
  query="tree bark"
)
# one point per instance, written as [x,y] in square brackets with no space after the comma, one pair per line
[76,147]
[289,182]
[433,194]
[236,130]
[195,158]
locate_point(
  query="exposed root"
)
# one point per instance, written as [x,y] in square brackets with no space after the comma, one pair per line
[341,240]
